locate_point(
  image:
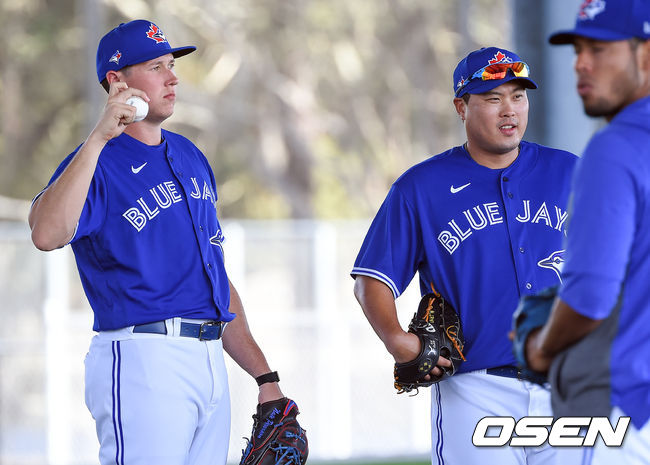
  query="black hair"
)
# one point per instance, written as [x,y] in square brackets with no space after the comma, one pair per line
[634,42]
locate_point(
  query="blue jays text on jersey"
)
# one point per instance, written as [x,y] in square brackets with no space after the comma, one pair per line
[481,237]
[148,242]
[490,214]
[608,253]
[162,196]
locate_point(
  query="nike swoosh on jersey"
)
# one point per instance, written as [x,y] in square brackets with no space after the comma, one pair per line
[137,170]
[454,190]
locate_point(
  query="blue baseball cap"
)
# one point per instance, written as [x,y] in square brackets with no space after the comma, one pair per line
[466,80]
[608,20]
[132,43]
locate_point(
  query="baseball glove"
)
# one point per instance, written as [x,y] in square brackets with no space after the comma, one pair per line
[531,313]
[438,326]
[277,438]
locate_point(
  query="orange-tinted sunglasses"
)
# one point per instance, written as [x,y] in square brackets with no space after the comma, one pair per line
[499,71]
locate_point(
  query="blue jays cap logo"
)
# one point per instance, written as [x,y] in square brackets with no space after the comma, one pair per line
[499,57]
[154,33]
[116,57]
[590,8]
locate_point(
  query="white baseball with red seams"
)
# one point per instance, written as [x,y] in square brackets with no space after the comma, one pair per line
[141,107]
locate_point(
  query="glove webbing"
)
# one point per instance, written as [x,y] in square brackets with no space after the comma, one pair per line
[452,334]
[288,453]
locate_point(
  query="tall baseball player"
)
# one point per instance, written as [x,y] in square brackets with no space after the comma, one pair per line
[483,223]
[138,205]
[603,311]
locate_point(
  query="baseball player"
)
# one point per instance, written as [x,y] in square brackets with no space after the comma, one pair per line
[138,205]
[483,223]
[603,309]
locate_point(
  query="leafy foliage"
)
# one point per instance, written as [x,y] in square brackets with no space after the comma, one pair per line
[305,108]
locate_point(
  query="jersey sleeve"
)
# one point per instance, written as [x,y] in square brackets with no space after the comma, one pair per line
[601,228]
[390,252]
[94,209]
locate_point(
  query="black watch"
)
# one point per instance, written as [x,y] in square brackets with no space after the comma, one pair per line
[271,377]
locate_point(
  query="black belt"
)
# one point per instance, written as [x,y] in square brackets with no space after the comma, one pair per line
[509,371]
[206,331]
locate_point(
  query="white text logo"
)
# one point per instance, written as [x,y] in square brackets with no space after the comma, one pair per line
[535,431]
[490,214]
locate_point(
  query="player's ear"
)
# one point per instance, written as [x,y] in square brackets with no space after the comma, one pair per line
[461,106]
[112,76]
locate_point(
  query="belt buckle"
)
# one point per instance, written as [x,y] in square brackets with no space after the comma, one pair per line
[520,375]
[206,327]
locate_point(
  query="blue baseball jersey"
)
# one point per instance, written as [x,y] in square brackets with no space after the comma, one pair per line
[608,251]
[482,237]
[148,245]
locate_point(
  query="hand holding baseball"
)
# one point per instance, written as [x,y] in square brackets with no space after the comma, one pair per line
[124,106]
[141,107]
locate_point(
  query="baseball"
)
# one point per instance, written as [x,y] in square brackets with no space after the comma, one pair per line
[141,107]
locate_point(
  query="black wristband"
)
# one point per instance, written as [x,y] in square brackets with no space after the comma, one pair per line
[271,377]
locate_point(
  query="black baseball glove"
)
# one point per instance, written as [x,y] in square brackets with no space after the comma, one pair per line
[438,326]
[277,438]
[531,313]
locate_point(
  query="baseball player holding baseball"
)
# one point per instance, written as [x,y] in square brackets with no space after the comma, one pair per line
[138,205]
[482,223]
[602,314]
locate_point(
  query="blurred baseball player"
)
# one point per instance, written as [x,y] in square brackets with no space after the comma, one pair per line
[138,205]
[603,309]
[483,223]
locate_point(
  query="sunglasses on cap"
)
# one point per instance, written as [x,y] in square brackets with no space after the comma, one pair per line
[499,71]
